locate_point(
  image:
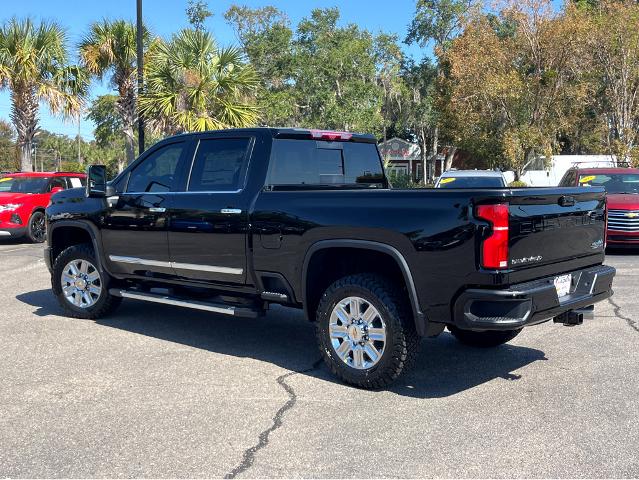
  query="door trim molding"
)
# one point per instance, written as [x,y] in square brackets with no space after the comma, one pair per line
[176,265]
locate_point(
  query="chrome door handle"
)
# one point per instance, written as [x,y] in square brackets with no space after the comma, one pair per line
[157,209]
[231,211]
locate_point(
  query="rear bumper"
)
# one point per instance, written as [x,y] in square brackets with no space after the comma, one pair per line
[13,232]
[531,302]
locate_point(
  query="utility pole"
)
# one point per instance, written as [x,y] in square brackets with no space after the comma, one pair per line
[140,59]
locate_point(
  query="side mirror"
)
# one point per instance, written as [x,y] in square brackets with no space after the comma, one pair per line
[96,181]
[56,190]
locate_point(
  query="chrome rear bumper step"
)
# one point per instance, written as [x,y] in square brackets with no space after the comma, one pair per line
[181,302]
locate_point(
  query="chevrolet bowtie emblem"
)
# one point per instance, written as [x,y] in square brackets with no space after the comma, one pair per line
[632,214]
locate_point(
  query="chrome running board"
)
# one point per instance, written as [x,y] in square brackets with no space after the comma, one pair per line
[180,302]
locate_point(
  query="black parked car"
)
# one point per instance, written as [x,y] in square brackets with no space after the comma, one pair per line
[233,221]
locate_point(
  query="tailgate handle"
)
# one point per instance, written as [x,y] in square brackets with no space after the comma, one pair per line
[566,201]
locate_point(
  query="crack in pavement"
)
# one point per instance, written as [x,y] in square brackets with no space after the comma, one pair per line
[617,309]
[249,455]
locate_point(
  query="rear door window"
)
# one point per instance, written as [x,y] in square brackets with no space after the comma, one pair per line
[219,165]
[307,163]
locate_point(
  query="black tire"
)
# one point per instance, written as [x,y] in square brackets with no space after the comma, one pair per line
[487,339]
[105,303]
[402,342]
[36,229]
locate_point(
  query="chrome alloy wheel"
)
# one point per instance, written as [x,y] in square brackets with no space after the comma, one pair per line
[357,333]
[81,283]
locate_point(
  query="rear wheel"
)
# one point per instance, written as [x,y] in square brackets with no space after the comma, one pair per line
[487,339]
[80,287]
[37,230]
[365,331]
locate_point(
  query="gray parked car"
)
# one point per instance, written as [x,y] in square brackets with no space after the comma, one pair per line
[471,179]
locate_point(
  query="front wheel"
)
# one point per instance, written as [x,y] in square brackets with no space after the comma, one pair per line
[80,287]
[487,339]
[36,229]
[365,331]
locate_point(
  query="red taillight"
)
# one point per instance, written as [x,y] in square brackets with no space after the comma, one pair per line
[328,135]
[494,249]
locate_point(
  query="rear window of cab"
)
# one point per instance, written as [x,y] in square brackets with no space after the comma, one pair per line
[324,164]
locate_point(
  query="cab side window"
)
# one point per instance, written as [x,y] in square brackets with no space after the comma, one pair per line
[158,171]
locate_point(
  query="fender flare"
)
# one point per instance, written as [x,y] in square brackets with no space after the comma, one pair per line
[91,230]
[418,315]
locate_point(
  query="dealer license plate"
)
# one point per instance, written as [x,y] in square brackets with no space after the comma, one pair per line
[562,285]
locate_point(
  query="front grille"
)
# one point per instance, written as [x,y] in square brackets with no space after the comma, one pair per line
[623,220]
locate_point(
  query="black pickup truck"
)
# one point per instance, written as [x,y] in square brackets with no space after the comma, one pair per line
[232,221]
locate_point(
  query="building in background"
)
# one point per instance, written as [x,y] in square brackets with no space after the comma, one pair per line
[402,157]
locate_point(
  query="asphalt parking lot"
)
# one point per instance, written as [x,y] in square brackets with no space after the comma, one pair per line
[156,391]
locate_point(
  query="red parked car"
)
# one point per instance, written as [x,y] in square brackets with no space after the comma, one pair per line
[622,186]
[23,198]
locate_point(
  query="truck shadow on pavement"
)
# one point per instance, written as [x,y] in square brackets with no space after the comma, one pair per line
[284,338]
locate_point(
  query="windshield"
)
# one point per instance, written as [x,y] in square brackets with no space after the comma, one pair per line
[471,182]
[612,182]
[23,184]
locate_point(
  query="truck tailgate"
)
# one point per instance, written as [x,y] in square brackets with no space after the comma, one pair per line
[548,226]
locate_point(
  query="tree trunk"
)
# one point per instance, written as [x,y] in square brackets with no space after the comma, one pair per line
[450,156]
[127,110]
[24,114]
[129,142]
[423,156]
[435,143]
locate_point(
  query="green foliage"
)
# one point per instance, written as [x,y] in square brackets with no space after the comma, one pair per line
[103,112]
[401,181]
[267,39]
[192,85]
[8,161]
[322,74]
[438,21]
[518,184]
[197,11]
[335,75]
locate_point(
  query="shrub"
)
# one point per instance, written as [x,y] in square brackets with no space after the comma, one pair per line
[517,184]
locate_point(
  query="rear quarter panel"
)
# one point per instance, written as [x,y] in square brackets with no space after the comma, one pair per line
[433,230]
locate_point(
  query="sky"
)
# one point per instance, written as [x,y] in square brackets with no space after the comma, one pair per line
[164,17]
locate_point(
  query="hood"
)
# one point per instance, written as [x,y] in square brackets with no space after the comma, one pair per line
[10,197]
[623,201]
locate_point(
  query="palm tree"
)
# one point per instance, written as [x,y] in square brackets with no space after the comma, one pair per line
[110,48]
[33,66]
[191,85]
